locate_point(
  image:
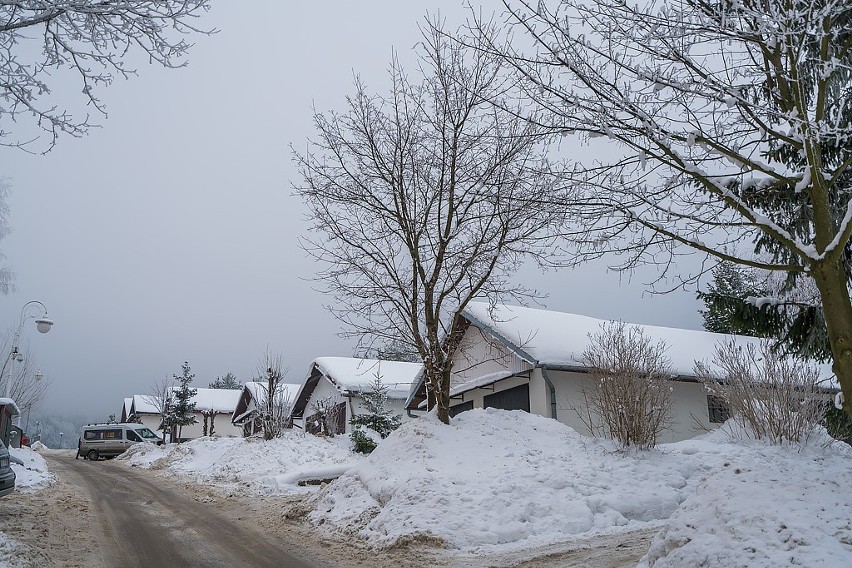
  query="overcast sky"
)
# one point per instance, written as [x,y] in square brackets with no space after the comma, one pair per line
[170,234]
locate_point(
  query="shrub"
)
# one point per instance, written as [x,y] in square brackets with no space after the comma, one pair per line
[631,398]
[775,398]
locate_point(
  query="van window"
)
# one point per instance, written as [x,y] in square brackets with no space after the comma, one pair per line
[113,434]
[133,436]
[92,435]
[147,434]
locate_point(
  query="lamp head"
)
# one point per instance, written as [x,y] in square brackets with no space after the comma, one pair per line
[44,324]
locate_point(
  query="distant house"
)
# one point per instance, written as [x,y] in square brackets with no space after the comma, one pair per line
[126,409]
[527,359]
[337,383]
[247,416]
[219,405]
[145,409]
[8,410]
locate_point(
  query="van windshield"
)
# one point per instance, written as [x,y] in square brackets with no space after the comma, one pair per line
[147,434]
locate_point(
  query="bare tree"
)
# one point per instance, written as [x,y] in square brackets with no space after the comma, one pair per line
[28,386]
[631,397]
[6,276]
[274,408]
[422,200]
[160,398]
[88,40]
[778,398]
[717,124]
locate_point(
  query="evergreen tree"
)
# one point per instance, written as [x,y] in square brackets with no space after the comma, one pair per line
[731,285]
[181,408]
[378,419]
[798,327]
[229,381]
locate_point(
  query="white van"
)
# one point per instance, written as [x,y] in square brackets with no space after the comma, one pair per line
[108,440]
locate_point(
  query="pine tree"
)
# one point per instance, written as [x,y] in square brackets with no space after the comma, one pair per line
[229,381]
[181,409]
[378,418]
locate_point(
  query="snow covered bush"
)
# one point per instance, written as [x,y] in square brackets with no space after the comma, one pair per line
[631,399]
[778,398]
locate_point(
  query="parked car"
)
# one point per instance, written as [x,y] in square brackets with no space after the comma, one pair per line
[109,440]
[7,476]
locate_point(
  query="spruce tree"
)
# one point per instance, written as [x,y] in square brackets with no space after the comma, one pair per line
[181,408]
[378,418]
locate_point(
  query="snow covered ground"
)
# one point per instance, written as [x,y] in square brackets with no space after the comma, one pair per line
[276,466]
[497,482]
[30,477]
[34,474]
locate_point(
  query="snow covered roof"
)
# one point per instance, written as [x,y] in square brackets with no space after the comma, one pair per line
[145,404]
[558,339]
[286,390]
[220,400]
[352,375]
[128,404]
[11,405]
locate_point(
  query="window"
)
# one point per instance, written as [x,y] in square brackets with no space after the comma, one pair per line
[133,436]
[147,434]
[92,435]
[459,408]
[113,434]
[717,409]
[517,398]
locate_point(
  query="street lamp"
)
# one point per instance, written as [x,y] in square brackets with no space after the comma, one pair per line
[43,325]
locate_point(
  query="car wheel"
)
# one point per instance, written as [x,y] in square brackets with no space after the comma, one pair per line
[92,455]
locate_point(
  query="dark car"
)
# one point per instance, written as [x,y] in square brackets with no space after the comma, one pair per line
[7,476]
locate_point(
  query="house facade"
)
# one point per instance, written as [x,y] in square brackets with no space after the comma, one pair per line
[335,384]
[247,414]
[527,359]
[145,410]
[219,406]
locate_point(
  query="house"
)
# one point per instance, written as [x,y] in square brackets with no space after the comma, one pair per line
[219,406]
[247,417]
[8,410]
[126,409]
[336,383]
[528,359]
[145,409]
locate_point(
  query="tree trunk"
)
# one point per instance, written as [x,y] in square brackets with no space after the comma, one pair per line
[837,309]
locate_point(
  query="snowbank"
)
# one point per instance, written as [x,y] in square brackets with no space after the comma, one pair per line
[274,466]
[775,507]
[33,475]
[496,480]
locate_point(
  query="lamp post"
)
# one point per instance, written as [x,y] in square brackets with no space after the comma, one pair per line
[43,325]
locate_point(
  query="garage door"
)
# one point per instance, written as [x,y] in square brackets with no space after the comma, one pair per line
[517,398]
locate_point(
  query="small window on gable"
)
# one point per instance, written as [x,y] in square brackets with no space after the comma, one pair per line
[718,410]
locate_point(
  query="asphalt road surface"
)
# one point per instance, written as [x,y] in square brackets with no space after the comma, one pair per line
[145,525]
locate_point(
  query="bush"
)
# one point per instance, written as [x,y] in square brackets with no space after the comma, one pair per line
[361,442]
[631,401]
[776,398]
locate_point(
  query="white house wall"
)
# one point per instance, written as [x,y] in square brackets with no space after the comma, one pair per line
[354,403]
[689,412]
[480,355]
[223,427]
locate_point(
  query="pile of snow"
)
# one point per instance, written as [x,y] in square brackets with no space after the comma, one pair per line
[274,466]
[33,475]
[496,480]
[774,507]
